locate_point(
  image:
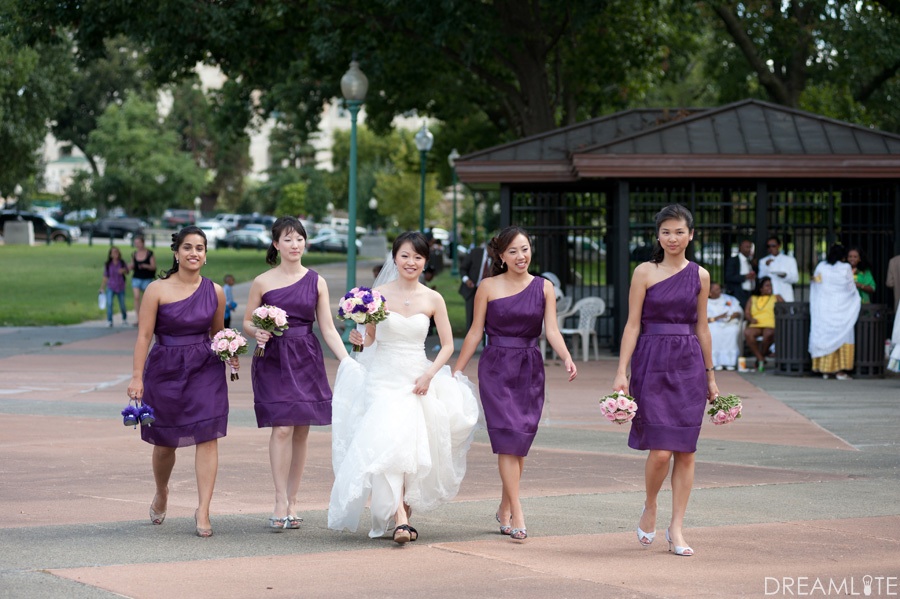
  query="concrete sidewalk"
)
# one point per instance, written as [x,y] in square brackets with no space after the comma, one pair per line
[798,498]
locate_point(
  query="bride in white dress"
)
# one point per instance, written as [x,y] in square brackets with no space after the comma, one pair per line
[401,424]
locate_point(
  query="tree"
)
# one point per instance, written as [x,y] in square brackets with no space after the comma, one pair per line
[145,170]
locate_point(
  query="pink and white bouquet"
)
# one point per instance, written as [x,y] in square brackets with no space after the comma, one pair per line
[271,319]
[227,344]
[618,407]
[725,409]
[363,306]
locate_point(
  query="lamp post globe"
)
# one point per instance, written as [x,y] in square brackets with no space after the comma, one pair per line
[424,141]
[454,235]
[354,85]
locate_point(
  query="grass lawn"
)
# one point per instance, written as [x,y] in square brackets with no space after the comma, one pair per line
[58,284]
[448,286]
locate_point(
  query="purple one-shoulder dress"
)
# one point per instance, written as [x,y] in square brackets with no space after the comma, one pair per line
[668,376]
[184,380]
[511,370]
[290,387]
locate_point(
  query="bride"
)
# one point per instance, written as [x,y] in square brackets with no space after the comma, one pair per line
[401,425]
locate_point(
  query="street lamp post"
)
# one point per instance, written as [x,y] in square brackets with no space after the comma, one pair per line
[454,238]
[424,141]
[354,86]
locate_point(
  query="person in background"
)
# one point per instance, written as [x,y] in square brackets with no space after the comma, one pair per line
[760,315]
[834,304]
[862,274]
[723,312]
[781,268]
[113,285]
[893,279]
[474,267]
[230,304]
[143,269]
[740,273]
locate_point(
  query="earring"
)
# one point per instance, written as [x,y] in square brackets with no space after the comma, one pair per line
[204,262]
[177,261]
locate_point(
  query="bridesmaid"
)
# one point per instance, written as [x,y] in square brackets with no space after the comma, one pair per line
[511,306]
[290,388]
[668,343]
[185,380]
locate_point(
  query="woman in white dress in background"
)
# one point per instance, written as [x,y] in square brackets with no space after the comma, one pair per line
[401,424]
[834,305]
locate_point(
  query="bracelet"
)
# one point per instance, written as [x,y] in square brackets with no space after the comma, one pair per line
[710,369]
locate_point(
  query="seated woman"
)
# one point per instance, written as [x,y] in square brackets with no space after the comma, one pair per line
[723,312]
[760,315]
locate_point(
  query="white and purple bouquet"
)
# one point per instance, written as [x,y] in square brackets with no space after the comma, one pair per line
[725,409]
[271,319]
[227,344]
[363,306]
[618,407]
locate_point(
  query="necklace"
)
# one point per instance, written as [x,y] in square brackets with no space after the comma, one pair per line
[410,296]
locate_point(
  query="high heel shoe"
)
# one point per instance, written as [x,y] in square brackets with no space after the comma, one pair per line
[518,534]
[203,533]
[679,550]
[156,517]
[504,530]
[279,524]
[292,522]
[644,538]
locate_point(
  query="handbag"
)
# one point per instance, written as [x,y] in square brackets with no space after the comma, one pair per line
[101,300]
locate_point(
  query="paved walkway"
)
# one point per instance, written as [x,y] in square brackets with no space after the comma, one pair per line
[799,498]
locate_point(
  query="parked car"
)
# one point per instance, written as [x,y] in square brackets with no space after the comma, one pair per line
[329,240]
[245,239]
[115,227]
[229,221]
[214,230]
[44,226]
[256,228]
[177,218]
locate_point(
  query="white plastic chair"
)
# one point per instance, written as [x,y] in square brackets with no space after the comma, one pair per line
[553,279]
[588,309]
[563,309]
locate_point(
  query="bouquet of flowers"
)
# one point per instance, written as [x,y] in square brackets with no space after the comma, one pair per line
[363,306]
[227,344]
[618,407]
[271,319]
[725,409]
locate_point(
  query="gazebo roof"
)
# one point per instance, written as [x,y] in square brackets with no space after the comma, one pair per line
[750,138]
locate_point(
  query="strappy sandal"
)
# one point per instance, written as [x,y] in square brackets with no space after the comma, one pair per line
[403,534]
[292,522]
[278,524]
[518,534]
[505,529]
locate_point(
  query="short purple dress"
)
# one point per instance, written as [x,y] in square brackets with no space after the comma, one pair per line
[290,387]
[668,377]
[184,380]
[511,370]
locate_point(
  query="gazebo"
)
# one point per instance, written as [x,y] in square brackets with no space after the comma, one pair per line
[588,192]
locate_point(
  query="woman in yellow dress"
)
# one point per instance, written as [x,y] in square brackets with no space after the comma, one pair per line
[760,315]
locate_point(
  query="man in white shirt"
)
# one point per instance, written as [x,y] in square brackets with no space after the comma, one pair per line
[781,268]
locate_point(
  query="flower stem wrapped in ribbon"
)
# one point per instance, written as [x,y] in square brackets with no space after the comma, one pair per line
[618,407]
[271,319]
[725,409]
[227,344]
[363,306]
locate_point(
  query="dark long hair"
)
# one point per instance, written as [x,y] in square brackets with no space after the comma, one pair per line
[500,243]
[418,241]
[109,258]
[863,263]
[177,239]
[670,212]
[279,227]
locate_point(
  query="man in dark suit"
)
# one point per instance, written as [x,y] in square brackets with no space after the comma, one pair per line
[740,273]
[472,268]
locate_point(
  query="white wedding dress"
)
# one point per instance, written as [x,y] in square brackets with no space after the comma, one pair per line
[387,440]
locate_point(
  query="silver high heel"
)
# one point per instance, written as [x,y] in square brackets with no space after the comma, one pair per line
[679,550]
[156,517]
[644,538]
[279,524]
[504,530]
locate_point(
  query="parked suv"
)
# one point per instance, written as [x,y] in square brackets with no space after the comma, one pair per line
[44,226]
[116,227]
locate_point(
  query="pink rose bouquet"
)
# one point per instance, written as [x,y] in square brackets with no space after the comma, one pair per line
[725,409]
[618,407]
[271,319]
[227,344]
[363,306]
